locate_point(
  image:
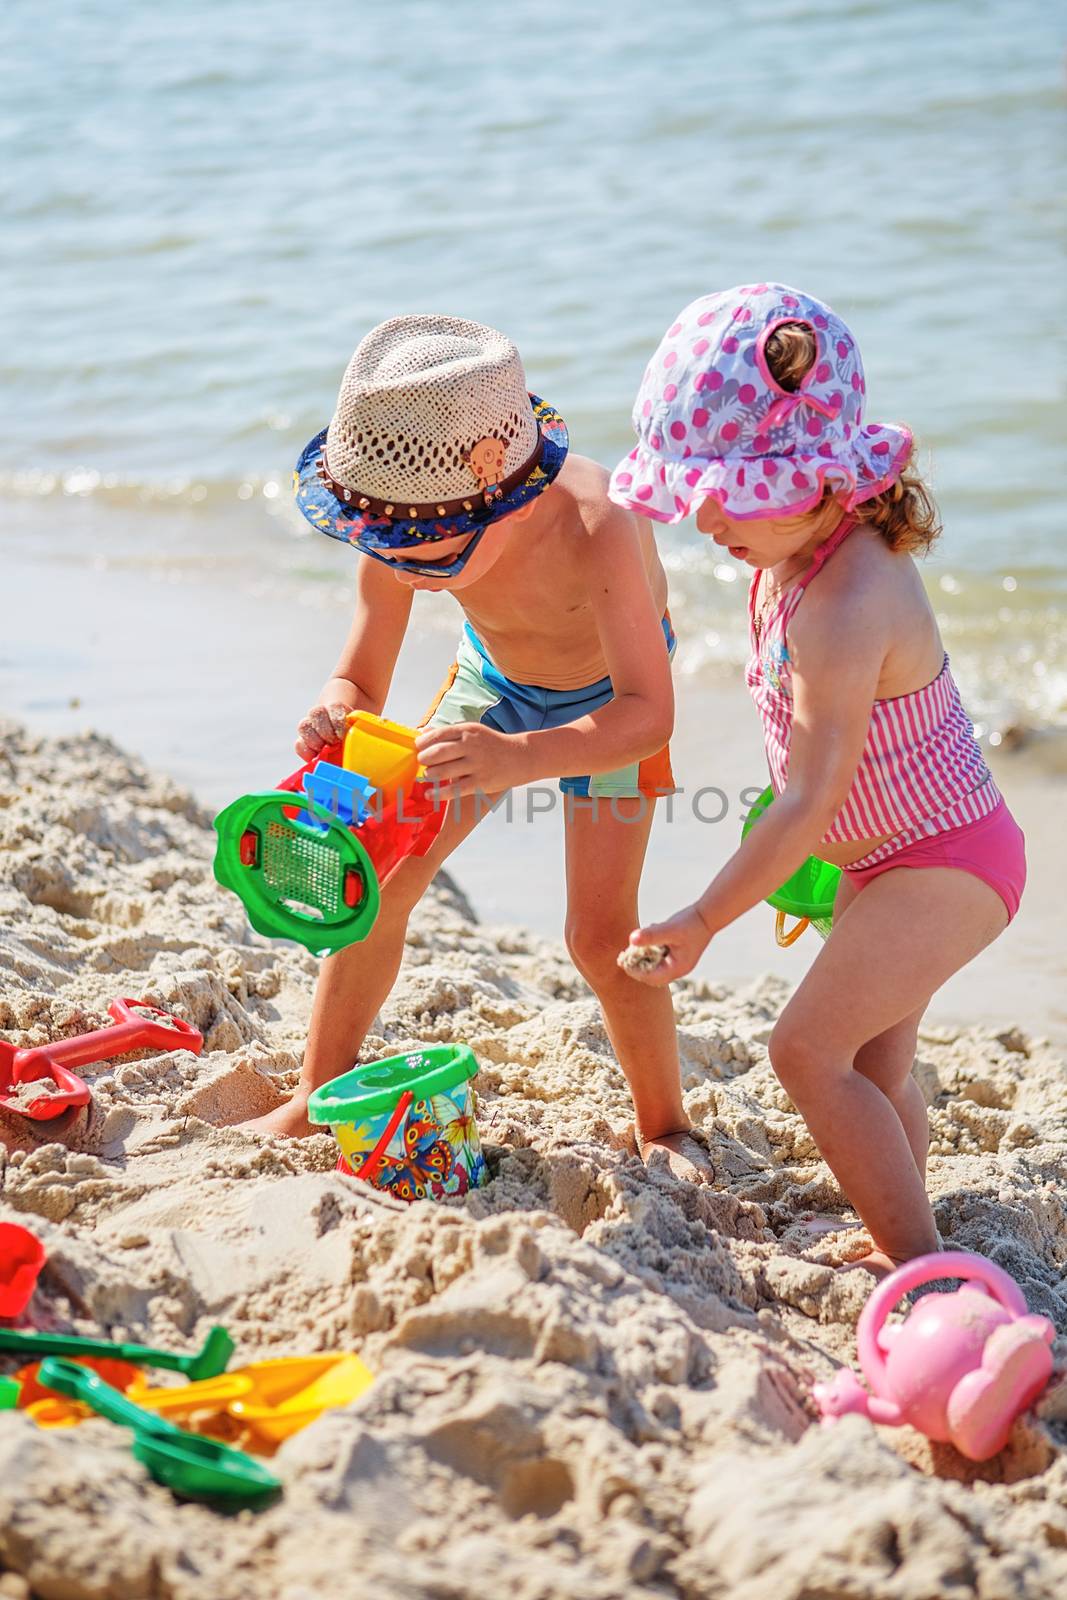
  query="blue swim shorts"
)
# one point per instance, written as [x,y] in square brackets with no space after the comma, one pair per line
[475,690]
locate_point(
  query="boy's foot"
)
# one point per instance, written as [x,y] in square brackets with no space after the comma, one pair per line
[289,1121]
[684,1154]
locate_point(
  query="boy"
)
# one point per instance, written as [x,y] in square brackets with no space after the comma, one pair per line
[443,471]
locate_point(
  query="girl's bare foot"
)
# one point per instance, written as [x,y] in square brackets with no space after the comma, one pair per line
[877,1262]
[290,1121]
[683,1153]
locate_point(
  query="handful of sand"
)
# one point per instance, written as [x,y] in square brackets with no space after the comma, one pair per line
[641,957]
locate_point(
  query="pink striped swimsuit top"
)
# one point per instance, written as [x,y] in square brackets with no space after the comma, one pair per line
[921,771]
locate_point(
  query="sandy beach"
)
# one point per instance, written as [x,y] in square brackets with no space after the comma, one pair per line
[590,1379]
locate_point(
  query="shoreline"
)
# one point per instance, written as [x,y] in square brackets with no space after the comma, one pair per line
[205,671]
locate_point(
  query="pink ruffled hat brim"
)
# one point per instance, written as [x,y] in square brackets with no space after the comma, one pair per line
[669,490]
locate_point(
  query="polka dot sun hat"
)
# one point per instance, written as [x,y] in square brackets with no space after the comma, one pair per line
[712,423]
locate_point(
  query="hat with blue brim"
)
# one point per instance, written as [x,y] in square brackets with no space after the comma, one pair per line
[434,435]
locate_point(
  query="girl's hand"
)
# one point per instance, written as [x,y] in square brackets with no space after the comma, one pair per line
[686,936]
[467,759]
[323,726]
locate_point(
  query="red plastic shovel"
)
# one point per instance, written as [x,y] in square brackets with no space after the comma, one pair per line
[138,1026]
[69,1090]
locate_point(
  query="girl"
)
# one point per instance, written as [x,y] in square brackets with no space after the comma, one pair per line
[751,413]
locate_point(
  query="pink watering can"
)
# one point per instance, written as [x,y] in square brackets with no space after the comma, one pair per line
[960,1368]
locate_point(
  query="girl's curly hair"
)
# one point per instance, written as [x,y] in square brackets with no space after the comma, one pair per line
[904,514]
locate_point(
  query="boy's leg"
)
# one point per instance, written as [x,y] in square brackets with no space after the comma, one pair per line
[605,853]
[892,949]
[355,982]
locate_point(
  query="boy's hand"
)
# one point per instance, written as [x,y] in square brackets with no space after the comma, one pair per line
[686,936]
[323,726]
[468,759]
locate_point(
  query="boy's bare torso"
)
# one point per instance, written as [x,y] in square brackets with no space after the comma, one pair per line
[533,609]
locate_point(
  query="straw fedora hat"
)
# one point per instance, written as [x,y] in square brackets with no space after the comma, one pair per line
[435,434]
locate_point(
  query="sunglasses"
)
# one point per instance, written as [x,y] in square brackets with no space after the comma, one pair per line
[429,569]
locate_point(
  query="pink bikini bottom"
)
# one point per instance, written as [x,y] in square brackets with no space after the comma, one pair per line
[992,849]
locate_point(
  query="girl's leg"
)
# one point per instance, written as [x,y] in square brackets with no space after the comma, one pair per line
[605,854]
[897,942]
[887,1061]
[355,982]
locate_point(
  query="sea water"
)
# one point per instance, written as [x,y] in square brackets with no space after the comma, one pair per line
[206,205]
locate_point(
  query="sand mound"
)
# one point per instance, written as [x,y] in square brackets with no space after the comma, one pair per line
[592,1381]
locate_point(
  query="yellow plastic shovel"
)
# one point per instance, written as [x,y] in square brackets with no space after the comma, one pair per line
[267,1400]
[288,1394]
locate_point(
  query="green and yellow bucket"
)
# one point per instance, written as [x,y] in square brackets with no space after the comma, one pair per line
[406,1124]
[809,894]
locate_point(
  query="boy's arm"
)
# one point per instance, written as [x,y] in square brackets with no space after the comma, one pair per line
[635,723]
[639,718]
[364,670]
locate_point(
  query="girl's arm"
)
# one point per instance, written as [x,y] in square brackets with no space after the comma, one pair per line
[364,671]
[837,654]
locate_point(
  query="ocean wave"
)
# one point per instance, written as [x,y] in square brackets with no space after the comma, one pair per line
[125,490]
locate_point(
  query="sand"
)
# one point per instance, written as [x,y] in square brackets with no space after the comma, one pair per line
[24,1095]
[592,1381]
[641,957]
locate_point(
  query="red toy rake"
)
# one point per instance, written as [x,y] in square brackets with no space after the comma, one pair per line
[138,1026]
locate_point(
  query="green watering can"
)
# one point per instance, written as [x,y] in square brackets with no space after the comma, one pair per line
[809,894]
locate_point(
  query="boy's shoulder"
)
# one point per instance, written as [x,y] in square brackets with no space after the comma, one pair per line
[581,494]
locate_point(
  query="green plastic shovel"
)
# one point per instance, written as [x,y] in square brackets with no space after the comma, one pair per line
[190,1466]
[209,1361]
